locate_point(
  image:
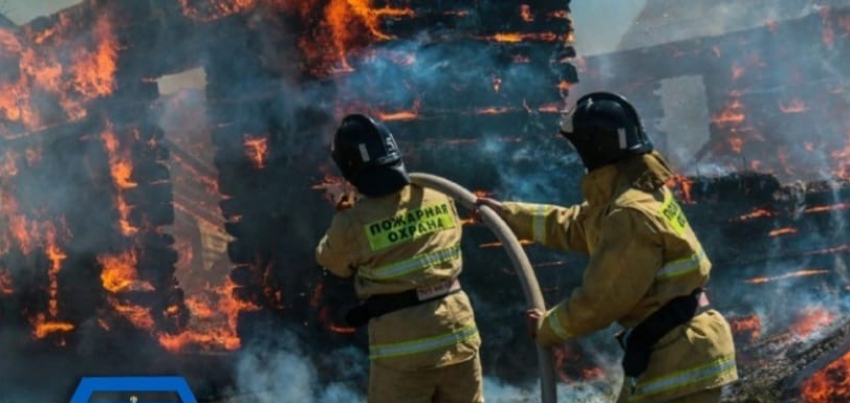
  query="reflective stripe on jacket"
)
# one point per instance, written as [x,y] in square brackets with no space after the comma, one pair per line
[401,242]
[643,253]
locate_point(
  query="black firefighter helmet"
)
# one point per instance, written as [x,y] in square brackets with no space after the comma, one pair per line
[604,128]
[368,157]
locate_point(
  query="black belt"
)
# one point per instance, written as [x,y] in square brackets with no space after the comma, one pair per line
[638,341]
[383,304]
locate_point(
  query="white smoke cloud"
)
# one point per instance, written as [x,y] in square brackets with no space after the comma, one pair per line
[266,374]
[285,373]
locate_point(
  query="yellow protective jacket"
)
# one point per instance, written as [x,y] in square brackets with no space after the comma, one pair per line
[643,253]
[404,241]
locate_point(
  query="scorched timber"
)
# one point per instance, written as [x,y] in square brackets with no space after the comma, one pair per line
[778,379]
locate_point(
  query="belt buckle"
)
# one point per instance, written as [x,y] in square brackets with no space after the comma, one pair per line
[437,290]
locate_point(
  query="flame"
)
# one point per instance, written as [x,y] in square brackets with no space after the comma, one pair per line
[517,37]
[10,165]
[93,73]
[832,207]
[121,169]
[139,316]
[757,213]
[20,228]
[796,105]
[55,256]
[796,274]
[257,150]
[6,284]
[119,273]
[525,13]
[218,330]
[493,110]
[828,251]
[215,9]
[9,43]
[199,308]
[324,318]
[398,116]
[812,320]
[830,384]
[783,231]
[371,17]
[42,327]
[67,74]
[342,26]
[731,114]
[747,325]
[342,17]
[497,83]
[564,87]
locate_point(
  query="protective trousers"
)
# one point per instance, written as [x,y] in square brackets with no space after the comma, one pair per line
[455,383]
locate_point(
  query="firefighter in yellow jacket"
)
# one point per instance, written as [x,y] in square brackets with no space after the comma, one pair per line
[646,267]
[401,242]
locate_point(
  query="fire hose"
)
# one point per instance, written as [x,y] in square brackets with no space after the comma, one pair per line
[528,280]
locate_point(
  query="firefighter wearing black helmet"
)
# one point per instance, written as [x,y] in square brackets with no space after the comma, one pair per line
[401,243]
[646,267]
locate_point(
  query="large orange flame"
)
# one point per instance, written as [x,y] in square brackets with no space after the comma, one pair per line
[220,322]
[93,72]
[73,74]
[831,384]
[119,273]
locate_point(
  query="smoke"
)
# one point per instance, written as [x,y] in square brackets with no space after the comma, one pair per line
[279,369]
[496,391]
[282,369]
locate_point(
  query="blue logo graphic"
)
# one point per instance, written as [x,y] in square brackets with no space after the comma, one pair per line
[175,384]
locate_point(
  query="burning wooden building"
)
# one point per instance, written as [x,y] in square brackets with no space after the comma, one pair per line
[150,230]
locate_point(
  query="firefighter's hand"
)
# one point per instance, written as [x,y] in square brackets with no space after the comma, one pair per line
[345,201]
[486,201]
[533,318]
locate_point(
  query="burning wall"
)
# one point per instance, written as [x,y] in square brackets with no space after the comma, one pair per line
[84,79]
[776,95]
